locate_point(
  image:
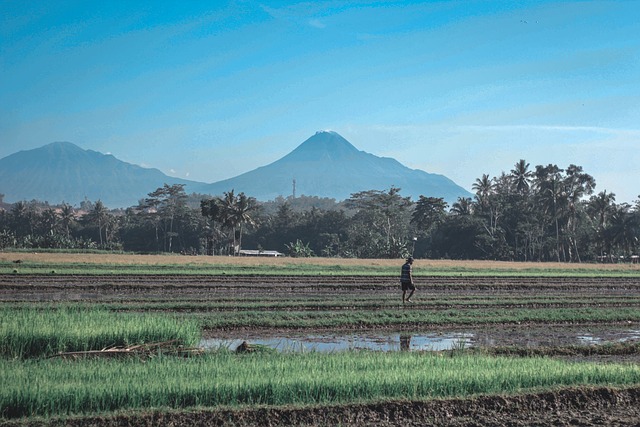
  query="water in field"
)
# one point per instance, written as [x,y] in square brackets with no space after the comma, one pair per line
[492,336]
[333,343]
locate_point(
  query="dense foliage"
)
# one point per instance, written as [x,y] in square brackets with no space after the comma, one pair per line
[541,214]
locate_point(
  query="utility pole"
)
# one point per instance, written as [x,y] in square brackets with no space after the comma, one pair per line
[294,188]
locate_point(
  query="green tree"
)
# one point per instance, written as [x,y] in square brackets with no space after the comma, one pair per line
[67,218]
[166,203]
[601,208]
[576,186]
[521,176]
[380,226]
[463,206]
[99,217]
[234,212]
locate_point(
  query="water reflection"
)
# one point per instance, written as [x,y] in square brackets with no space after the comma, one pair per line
[433,341]
[405,342]
[333,343]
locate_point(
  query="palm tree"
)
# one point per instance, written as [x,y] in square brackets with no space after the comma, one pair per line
[483,188]
[600,208]
[49,221]
[548,185]
[235,212]
[99,216]
[66,217]
[521,176]
[577,184]
[624,229]
[243,213]
[463,206]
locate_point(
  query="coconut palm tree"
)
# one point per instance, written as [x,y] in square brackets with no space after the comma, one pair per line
[522,176]
[600,208]
[463,206]
[67,216]
[549,191]
[243,214]
[483,188]
[235,212]
[99,217]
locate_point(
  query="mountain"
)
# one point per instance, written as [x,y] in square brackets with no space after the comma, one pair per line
[327,165]
[63,172]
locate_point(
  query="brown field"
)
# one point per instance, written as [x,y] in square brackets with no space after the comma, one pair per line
[420,264]
[572,406]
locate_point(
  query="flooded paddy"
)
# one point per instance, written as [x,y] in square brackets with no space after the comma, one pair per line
[501,336]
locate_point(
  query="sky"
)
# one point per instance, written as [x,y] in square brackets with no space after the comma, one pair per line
[209,90]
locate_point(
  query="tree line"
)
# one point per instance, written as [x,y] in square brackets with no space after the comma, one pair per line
[528,214]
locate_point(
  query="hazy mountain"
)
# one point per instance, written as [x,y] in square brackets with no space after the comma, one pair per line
[63,172]
[327,165]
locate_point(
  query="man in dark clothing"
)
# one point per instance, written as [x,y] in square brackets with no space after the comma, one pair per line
[406,280]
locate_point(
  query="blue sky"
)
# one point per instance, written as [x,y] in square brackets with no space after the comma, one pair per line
[209,90]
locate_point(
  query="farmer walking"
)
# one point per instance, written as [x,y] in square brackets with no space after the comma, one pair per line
[406,280]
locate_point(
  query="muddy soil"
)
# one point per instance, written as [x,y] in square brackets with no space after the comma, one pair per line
[577,406]
[566,407]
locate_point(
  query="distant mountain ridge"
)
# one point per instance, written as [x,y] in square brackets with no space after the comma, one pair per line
[63,172]
[325,165]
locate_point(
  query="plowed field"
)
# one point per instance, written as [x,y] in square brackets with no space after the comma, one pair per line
[477,297]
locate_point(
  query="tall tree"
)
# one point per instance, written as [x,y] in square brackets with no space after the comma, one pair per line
[548,184]
[242,214]
[99,216]
[577,184]
[463,206]
[235,212]
[522,176]
[381,223]
[167,201]
[428,213]
[67,218]
[211,209]
[483,188]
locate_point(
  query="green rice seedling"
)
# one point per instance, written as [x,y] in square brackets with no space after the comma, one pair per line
[388,318]
[50,387]
[34,333]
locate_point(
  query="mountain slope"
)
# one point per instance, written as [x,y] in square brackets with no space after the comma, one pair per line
[63,172]
[327,165]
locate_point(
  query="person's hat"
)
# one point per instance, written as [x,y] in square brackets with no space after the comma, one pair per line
[410,259]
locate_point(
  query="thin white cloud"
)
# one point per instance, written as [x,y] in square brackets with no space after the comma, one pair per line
[316,23]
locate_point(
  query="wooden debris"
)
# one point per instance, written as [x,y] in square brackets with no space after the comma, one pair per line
[140,350]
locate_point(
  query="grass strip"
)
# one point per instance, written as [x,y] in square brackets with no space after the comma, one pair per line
[388,318]
[36,333]
[59,387]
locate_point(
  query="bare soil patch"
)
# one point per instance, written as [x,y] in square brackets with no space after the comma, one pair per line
[419,265]
[564,407]
[575,406]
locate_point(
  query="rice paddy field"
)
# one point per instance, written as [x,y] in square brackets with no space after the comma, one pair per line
[117,339]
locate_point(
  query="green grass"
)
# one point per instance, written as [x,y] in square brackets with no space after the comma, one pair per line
[35,333]
[29,332]
[391,318]
[58,387]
